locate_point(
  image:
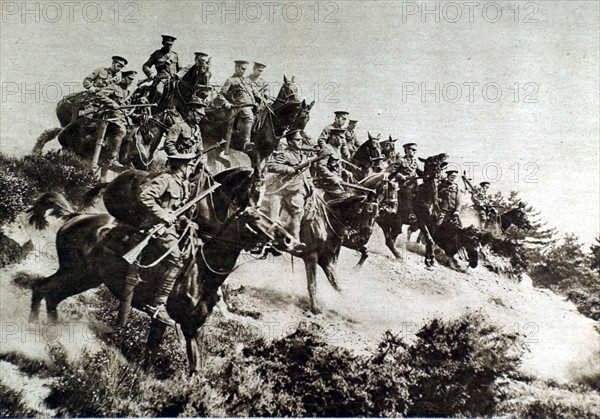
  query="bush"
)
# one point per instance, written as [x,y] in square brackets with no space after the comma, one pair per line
[22,179]
[12,405]
[456,367]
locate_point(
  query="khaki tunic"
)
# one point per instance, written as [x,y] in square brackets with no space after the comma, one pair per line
[101,78]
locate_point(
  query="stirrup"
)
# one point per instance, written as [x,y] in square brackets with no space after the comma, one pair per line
[159,313]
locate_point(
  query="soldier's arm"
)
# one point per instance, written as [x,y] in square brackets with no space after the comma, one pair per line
[147,67]
[176,61]
[344,150]
[221,99]
[171,139]
[152,194]
[278,165]
[88,82]
[322,140]
[104,98]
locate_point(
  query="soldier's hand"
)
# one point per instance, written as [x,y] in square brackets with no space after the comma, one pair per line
[227,105]
[169,218]
[92,89]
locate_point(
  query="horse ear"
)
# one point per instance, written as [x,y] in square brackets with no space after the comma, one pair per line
[423,160]
[311,105]
[293,78]
[369,134]
[521,204]
[303,104]
[285,79]
[208,61]
[378,137]
[390,138]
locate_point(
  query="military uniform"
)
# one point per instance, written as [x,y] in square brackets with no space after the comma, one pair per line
[482,202]
[183,138]
[166,64]
[327,173]
[323,140]
[351,141]
[112,97]
[161,196]
[448,202]
[101,78]
[238,92]
[292,187]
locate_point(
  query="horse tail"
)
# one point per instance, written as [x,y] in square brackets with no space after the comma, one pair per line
[45,137]
[92,194]
[53,201]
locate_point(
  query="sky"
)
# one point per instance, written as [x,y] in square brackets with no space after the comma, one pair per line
[508,89]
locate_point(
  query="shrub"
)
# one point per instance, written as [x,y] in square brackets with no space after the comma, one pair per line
[12,405]
[456,367]
[22,179]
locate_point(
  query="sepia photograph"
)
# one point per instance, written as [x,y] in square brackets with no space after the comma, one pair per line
[309,208]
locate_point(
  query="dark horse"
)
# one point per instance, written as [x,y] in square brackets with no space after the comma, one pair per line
[471,216]
[79,134]
[287,112]
[90,249]
[447,236]
[367,158]
[349,221]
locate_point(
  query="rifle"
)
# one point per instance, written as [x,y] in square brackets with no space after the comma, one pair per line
[354,186]
[308,162]
[85,112]
[349,164]
[133,254]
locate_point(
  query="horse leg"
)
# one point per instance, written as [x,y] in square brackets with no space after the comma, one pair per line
[192,348]
[429,258]
[155,337]
[390,241]
[63,285]
[44,138]
[364,254]
[310,263]
[328,264]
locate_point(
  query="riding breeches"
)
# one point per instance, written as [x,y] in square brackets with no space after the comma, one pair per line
[245,120]
[169,241]
[115,132]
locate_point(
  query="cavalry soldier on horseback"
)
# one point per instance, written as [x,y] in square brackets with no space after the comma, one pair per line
[448,199]
[198,74]
[338,122]
[238,93]
[185,136]
[351,139]
[113,97]
[328,171]
[408,174]
[162,196]
[292,185]
[482,201]
[105,76]
[256,81]
[166,63]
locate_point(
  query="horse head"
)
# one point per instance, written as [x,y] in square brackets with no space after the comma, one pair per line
[518,217]
[434,166]
[368,154]
[289,92]
[388,148]
[386,189]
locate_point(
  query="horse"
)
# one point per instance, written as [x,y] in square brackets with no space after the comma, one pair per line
[287,112]
[367,158]
[79,134]
[388,149]
[96,258]
[470,215]
[348,221]
[425,205]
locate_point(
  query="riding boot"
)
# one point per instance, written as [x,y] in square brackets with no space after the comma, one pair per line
[113,144]
[294,225]
[158,309]
[131,282]
[246,129]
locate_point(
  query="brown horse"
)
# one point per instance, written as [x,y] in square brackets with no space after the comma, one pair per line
[348,221]
[78,134]
[367,158]
[90,250]
[448,237]
[287,112]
